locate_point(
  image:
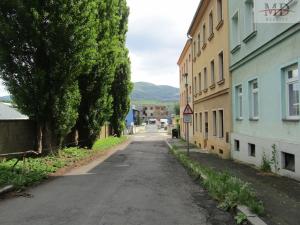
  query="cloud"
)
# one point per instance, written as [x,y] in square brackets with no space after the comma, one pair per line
[156,37]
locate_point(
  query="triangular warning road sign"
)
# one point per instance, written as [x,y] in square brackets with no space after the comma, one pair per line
[188,110]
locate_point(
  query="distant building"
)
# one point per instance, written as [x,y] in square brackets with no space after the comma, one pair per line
[154,112]
[133,116]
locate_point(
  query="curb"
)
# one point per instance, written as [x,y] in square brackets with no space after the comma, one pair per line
[252,218]
[6,189]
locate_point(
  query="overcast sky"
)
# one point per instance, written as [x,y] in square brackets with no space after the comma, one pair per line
[157,34]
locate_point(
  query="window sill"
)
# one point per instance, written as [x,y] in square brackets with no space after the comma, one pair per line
[235,49]
[205,90]
[213,86]
[239,119]
[211,36]
[220,24]
[250,37]
[204,46]
[291,119]
[221,82]
[254,119]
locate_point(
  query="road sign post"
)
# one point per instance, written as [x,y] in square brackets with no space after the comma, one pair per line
[187,119]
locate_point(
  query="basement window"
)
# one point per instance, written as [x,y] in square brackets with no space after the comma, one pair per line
[288,161]
[221,151]
[237,145]
[251,149]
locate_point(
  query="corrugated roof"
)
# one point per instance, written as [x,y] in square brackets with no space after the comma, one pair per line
[8,112]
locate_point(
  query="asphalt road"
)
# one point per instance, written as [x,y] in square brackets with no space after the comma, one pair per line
[141,185]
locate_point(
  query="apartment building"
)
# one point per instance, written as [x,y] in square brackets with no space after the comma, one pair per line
[265,60]
[211,83]
[186,94]
[154,112]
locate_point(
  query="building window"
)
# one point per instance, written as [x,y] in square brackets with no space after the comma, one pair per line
[235,31]
[200,82]
[196,122]
[206,125]
[251,150]
[214,123]
[221,66]
[220,10]
[195,85]
[288,161]
[212,71]
[254,106]
[249,17]
[204,34]
[199,44]
[292,92]
[221,124]
[211,24]
[239,102]
[194,50]
[236,145]
[200,122]
[205,78]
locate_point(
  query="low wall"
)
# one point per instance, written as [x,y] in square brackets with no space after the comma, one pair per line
[16,136]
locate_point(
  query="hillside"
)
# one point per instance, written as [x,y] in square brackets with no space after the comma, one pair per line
[5,99]
[157,93]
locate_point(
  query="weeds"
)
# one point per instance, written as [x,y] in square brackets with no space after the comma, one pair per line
[240,218]
[266,164]
[228,190]
[38,169]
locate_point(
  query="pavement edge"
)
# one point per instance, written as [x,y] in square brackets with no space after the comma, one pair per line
[251,217]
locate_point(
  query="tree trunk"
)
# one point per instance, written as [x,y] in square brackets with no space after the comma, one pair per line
[39,138]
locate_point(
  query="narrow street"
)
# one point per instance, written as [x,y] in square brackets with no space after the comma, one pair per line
[140,185]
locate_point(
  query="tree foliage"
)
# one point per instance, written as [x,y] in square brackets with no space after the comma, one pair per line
[44,47]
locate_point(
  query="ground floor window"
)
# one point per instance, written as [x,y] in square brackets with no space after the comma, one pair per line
[251,150]
[221,124]
[237,145]
[288,161]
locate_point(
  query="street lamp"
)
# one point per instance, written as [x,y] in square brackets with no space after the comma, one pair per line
[187,102]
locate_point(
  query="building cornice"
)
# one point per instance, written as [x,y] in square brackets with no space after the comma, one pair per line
[217,94]
[198,16]
[276,40]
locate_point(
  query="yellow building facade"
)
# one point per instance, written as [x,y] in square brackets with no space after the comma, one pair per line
[186,93]
[211,80]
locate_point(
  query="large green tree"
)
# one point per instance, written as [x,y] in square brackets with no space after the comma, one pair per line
[122,86]
[44,47]
[95,106]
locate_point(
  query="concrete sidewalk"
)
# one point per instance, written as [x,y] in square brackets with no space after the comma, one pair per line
[281,195]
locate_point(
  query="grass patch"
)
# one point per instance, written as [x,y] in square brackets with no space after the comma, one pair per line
[38,169]
[228,190]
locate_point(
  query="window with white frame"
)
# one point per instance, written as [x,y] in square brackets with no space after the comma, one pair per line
[205,78]
[214,123]
[239,102]
[212,71]
[221,123]
[249,17]
[219,10]
[292,92]
[254,100]
[235,30]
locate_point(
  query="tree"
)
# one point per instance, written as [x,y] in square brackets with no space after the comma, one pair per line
[177,109]
[122,86]
[121,90]
[95,106]
[44,46]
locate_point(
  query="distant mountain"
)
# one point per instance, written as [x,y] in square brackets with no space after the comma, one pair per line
[5,98]
[150,92]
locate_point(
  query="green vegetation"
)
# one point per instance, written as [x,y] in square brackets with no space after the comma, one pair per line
[240,218]
[38,169]
[265,164]
[228,190]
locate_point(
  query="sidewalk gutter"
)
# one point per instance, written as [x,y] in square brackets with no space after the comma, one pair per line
[251,217]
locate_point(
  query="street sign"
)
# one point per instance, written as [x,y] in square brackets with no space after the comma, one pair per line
[187,118]
[188,110]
